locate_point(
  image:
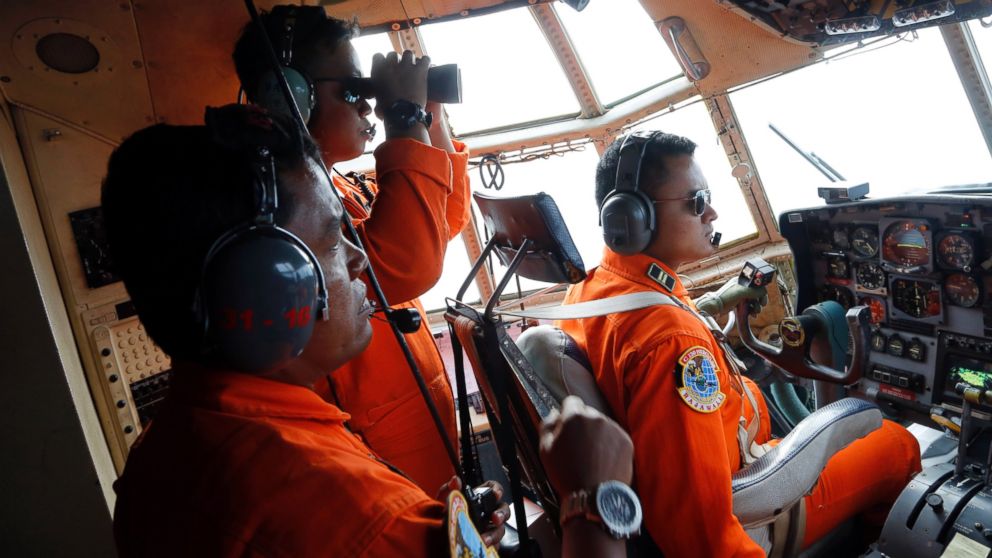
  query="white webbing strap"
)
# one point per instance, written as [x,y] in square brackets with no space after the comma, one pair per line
[592,308]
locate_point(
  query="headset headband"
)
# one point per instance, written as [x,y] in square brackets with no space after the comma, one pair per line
[629,166]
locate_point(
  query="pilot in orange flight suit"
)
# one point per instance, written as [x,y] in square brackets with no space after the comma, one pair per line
[405,217]
[670,385]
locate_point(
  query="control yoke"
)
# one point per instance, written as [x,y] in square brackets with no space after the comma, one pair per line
[798,332]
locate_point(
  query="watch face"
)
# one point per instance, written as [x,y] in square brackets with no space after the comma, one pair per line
[619,509]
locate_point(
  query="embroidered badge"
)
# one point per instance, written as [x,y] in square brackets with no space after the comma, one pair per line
[697,380]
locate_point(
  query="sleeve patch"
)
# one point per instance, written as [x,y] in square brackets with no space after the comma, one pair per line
[698,381]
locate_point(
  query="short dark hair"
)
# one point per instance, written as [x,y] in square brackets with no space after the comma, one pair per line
[170,192]
[661,146]
[314,35]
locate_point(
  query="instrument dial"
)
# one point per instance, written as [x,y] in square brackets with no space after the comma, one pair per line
[907,243]
[916,350]
[918,299]
[896,346]
[878,341]
[876,306]
[838,268]
[870,276]
[864,241]
[956,251]
[962,290]
[839,295]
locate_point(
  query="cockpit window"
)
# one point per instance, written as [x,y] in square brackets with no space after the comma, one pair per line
[896,116]
[513,76]
[612,39]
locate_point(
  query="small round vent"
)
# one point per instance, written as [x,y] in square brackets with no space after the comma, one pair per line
[67,53]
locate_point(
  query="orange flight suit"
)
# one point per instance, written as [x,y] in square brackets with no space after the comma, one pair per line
[240,466]
[685,441]
[421,201]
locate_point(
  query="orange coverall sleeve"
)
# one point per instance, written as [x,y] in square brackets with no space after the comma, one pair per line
[681,468]
[406,233]
[460,200]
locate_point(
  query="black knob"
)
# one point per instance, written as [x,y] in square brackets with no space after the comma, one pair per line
[128,429]
[105,352]
[935,502]
[121,403]
[113,378]
[407,320]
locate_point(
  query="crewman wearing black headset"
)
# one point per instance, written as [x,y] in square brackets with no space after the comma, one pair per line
[228,239]
[693,418]
[417,202]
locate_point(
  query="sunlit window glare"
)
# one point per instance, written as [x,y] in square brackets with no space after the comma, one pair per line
[509,73]
[613,39]
[896,117]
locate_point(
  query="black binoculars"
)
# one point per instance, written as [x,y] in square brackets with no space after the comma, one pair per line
[444,85]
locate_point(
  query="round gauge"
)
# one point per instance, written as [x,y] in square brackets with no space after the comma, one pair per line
[870,276]
[916,350]
[907,243]
[864,241]
[918,299]
[956,251]
[839,295]
[962,290]
[878,341]
[876,306]
[896,346]
[840,238]
[838,268]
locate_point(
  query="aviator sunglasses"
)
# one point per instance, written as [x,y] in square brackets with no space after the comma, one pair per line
[700,199]
[354,88]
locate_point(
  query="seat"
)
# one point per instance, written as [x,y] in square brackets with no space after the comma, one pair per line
[522,381]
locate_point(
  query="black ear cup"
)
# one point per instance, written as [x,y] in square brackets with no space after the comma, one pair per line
[270,95]
[628,222]
[627,215]
[261,292]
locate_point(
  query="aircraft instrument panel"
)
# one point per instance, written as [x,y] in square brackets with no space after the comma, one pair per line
[921,264]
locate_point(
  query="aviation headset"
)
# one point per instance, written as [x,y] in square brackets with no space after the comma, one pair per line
[628,216]
[290,22]
[261,287]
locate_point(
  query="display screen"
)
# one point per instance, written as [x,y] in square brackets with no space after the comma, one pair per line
[972,371]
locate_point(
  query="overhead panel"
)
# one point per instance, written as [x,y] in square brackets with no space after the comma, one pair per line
[79,62]
[737,50]
[834,22]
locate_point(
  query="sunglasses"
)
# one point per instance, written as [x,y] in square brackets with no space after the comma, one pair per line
[354,89]
[700,199]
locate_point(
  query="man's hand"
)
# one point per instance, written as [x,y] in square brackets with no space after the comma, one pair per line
[494,534]
[726,297]
[396,78]
[581,448]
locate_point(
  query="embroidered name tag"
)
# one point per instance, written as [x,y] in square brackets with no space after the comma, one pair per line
[697,380]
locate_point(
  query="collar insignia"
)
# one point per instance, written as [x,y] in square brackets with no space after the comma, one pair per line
[659,276]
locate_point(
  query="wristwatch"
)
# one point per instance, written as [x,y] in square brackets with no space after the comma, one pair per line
[612,504]
[403,114]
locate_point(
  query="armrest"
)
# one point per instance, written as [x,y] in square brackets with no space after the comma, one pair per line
[781,477]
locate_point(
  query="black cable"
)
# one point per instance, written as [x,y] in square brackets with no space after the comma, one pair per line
[353,236]
[490,165]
